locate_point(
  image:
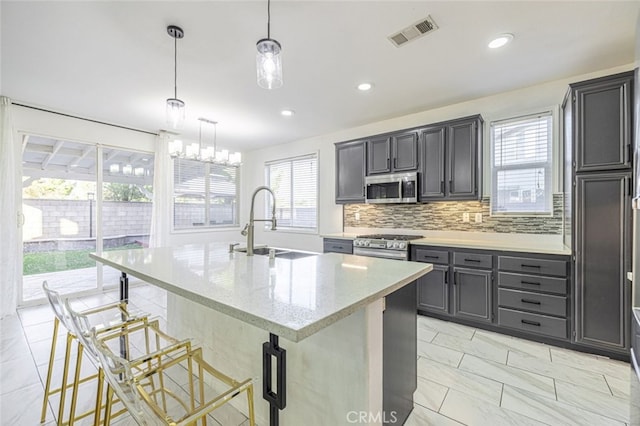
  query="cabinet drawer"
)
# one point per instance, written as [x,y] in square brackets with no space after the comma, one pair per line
[535,323]
[533,266]
[338,246]
[473,259]
[432,256]
[541,303]
[533,282]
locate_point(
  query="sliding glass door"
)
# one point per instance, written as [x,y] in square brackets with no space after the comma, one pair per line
[79,198]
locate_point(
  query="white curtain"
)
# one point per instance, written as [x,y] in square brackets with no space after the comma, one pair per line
[162,184]
[10,164]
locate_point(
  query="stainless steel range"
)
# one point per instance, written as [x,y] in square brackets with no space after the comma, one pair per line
[388,246]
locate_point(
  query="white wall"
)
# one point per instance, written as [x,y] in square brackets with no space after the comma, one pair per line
[491,108]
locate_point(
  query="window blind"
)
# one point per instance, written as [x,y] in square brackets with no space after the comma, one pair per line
[521,165]
[295,183]
[204,194]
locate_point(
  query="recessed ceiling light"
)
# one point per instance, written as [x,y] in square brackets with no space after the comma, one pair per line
[287,112]
[365,86]
[500,41]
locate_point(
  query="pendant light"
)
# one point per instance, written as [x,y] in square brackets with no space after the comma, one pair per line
[175,107]
[269,59]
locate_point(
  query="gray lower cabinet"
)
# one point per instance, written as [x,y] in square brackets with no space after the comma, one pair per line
[433,290]
[602,257]
[350,171]
[533,294]
[530,295]
[453,288]
[472,294]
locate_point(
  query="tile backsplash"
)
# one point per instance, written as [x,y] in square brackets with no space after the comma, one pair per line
[447,216]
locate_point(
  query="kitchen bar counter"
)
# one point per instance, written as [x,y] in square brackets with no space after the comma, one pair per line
[526,243]
[335,315]
[291,298]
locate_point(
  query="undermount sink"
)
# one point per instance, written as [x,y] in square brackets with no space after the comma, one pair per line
[280,253]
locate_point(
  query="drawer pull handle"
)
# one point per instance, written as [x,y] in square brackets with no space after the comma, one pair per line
[524,321]
[524,265]
[337,247]
[533,302]
[430,257]
[529,282]
[472,260]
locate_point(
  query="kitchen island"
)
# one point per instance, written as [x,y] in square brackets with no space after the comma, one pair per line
[328,310]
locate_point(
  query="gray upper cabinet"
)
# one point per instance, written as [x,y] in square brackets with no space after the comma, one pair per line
[432,152]
[378,155]
[350,171]
[602,112]
[395,153]
[602,247]
[450,159]
[404,148]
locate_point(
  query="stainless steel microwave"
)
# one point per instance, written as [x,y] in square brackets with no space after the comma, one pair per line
[392,188]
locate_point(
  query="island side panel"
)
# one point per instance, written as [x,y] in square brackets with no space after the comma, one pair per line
[332,376]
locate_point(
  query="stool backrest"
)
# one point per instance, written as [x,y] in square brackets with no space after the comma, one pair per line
[82,328]
[118,373]
[57,304]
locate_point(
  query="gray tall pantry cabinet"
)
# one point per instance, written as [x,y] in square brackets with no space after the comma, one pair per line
[597,129]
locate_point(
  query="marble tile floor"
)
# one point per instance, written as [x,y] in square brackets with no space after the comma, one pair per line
[466,376]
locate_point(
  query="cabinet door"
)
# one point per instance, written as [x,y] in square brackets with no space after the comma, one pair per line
[432,162]
[472,294]
[405,152]
[378,156]
[350,171]
[603,114]
[433,290]
[463,165]
[602,234]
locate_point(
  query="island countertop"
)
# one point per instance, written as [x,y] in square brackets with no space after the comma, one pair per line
[291,298]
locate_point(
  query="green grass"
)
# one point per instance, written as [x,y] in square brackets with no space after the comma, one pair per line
[55,261]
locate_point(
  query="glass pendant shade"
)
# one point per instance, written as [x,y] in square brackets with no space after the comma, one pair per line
[269,64]
[175,113]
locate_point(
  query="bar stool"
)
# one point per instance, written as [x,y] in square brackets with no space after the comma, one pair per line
[121,331]
[169,403]
[143,354]
[119,309]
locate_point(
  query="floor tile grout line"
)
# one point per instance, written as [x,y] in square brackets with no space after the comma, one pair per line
[443,399]
[608,385]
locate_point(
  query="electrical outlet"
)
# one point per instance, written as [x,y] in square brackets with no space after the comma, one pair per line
[465,217]
[357,216]
[478,217]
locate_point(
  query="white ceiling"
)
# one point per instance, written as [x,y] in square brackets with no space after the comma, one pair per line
[113,61]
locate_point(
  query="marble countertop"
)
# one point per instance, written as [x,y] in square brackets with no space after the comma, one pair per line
[527,243]
[291,298]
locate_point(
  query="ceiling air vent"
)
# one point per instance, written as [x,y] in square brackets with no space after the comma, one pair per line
[416,30]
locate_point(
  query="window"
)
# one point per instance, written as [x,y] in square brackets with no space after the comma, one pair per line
[521,165]
[295,183]
[204,194]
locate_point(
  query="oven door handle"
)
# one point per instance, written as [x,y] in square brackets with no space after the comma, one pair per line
[382,253]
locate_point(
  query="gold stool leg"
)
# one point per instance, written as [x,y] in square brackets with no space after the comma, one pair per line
[76,385]
[96,420]
[65,377]
[252,417]
[107,409]
[47,386]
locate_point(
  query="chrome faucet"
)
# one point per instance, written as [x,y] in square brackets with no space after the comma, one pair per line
[248,228]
